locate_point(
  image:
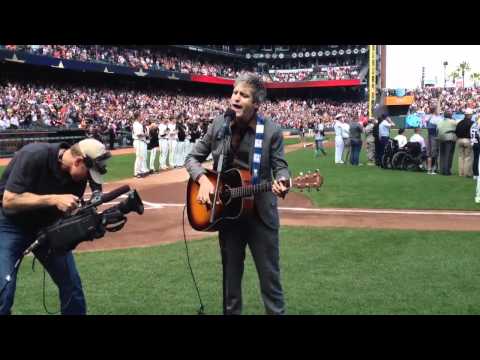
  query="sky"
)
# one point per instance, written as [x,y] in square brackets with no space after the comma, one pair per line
[404,63]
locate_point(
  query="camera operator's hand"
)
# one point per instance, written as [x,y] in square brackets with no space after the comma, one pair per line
[65,202]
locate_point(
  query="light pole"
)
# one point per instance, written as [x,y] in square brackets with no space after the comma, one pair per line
[445,63]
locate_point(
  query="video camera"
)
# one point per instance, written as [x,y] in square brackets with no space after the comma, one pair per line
[87,224]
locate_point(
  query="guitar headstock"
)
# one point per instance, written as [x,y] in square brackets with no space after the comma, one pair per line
[308,181]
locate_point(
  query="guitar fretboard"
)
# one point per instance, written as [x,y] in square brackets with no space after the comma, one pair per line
[249,190]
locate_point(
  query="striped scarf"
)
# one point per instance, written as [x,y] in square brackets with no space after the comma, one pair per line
[257,155]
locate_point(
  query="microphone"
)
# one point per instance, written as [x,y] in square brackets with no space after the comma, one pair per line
[229,117]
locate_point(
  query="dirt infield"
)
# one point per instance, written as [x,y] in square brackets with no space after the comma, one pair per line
[164,196]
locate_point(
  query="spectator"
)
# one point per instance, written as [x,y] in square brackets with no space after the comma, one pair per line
[356,130]
[446,140]
[401,139]
[347,148]
[384,133]
[370,141]
[464,145]
[319,136]
[417,138]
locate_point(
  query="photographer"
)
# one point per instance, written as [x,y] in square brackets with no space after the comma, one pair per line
[42,183]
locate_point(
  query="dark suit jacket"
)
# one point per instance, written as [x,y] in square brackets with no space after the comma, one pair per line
[273,163]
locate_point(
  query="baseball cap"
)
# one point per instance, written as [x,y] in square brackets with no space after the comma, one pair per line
[338,115]
[96,156]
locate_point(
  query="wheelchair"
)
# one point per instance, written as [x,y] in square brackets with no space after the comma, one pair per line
[410,158]
[391,148]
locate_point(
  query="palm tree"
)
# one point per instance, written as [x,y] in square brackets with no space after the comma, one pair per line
[475,77]
[454,75]
[462,68]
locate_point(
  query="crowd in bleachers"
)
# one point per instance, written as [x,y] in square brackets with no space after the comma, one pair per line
[293,113]
[455,99]
[158,59]
[28,105]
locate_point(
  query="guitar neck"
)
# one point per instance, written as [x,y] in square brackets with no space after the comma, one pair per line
[250,190]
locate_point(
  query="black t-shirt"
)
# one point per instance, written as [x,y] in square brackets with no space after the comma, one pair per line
[181,132]
[463,129]
[194,132]
[153,133]
[36,169]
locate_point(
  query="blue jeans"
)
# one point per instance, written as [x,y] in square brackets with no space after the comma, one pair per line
[61,268]
[356,147]
[319,147]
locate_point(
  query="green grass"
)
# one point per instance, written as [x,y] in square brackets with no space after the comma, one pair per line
[296,140]
[120,167]
[360,187]
[373,187]
[324,271]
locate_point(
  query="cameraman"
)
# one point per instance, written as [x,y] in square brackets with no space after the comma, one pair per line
[40,184]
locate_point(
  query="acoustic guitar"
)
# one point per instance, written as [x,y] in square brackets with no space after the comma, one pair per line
[235,196]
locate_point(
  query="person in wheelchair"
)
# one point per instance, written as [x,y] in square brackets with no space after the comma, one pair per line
[416,152]
[401,138]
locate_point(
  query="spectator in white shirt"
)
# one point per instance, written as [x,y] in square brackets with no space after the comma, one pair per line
[416,137]
[401,139]
[4,122]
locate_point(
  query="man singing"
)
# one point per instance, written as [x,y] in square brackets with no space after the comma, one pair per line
[257,145]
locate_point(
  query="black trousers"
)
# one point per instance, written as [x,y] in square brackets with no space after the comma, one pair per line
[447,149]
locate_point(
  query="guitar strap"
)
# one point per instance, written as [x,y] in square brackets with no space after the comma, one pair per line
[257,155]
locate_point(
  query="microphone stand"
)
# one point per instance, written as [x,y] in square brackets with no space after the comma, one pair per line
[225,144]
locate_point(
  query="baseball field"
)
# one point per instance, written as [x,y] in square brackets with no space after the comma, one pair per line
[370,241]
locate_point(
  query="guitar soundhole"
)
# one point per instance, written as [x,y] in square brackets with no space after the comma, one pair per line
[225,196]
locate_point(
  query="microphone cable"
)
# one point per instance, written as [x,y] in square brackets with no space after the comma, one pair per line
[44,286]
[201,310]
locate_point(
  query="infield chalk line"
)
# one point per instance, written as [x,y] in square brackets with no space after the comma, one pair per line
[152,205]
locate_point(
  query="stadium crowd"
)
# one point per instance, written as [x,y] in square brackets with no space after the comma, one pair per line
[454,99]
[157,59]
[28,105]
